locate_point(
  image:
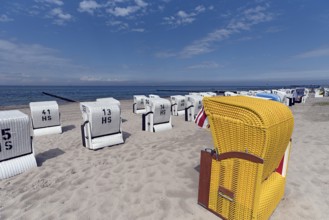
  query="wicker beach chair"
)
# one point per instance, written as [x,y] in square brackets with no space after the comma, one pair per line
[244,176]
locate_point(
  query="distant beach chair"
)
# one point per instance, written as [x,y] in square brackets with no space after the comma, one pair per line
[45,118]
[318,93]
[153,96]
[282,95]
[205,94]
[110,100]
[139,104]
[193,106]
[244,176]
[101,125]
[16,149]
[228,93]
[158,115]
[212,94]
[177,105]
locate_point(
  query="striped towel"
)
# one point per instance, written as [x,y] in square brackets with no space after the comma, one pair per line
[201,119]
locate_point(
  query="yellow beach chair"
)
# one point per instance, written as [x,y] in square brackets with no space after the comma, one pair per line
[244,176]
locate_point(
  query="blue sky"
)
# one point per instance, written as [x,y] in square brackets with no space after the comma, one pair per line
[114,42]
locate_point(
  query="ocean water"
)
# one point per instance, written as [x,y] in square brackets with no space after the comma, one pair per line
[23,95]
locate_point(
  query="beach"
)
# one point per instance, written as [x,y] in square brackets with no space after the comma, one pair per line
[155,175]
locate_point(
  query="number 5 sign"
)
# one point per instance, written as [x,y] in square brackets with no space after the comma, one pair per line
[16,153]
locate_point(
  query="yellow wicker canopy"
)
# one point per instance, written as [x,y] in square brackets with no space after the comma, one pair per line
[262,128]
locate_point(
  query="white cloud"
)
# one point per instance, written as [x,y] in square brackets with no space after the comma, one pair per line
[127,10]
[165,54]
[123,12]
[93,78]
[244,21]
[56,2]
[141,3]
[88,6]
[60,17]
[33,64]
[120,25]
[5,18]
[183,18]
[205,65]
[322,52]
[138,30]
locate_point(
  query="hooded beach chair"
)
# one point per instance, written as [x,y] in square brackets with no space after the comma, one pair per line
[158,115]
[45,118]
[16,150]
[177,105]
[139,104]
[101,125]
[193,106]
[244,176]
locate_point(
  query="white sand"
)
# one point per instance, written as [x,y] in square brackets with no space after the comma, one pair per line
[154,175]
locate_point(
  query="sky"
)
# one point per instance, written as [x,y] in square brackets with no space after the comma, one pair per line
[135,42]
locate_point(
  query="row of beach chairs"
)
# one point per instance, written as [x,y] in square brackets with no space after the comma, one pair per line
[101,127]
[243,177]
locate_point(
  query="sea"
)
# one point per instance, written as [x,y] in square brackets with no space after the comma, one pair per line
[23,95]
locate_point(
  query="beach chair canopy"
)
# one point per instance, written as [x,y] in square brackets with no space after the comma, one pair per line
[257,127]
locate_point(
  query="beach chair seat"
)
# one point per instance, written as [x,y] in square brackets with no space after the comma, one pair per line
[158,115]
[101,125]
[177,105]
[16,149]
[45,118]
[139,104]
[244,176]
[193,106]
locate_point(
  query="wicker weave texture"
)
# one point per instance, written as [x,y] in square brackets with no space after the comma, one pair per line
[260,127]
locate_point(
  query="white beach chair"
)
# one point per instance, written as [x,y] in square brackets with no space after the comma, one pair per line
[16,150]
[193,106]
[194,93]
[45,118]
[101,125]
[205,94]
[212,94]
[110,100]
[139,104]
[282,95]
[153,96]
[157,117]
[227,93]
[177,105]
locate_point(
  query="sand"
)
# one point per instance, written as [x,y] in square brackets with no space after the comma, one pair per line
[154,175]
